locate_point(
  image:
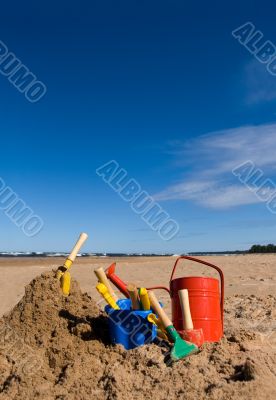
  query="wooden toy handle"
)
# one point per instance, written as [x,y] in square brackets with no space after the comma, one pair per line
[100,274]
[78,245]
[133,295]
[185,307]
[159,310]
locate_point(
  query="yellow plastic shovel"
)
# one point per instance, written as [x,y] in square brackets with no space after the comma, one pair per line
[62,273]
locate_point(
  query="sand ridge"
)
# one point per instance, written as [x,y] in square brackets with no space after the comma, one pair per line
[71,358]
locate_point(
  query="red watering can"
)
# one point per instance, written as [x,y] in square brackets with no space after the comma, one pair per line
[206,301]
[206,298]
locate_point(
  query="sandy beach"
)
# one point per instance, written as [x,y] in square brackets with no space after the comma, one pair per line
[244,274]
[54,347]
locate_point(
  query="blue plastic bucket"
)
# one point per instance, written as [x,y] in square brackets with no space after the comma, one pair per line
[129,327]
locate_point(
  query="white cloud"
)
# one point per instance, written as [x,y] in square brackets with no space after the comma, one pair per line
[211,195]
[229,196]
[210,160]
[227,148]
[184,191]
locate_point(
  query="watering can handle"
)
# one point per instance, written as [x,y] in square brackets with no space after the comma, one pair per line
[209,265]
[160,287]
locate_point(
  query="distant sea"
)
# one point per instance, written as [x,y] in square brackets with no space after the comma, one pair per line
[62,254]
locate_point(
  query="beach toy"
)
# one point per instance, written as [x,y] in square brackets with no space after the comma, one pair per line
[100,274]
[128,327]
[133,295]
[144,298]
[68,263]
[102,289]
[121,285]
[189,333]
[181,348]
[65,282]
[160,329]
[162,334]
[155,320]
[206,298]
[110,273]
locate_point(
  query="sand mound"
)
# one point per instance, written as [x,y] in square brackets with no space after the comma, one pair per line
[57,348]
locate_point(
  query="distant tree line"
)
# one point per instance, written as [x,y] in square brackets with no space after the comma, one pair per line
[257,248]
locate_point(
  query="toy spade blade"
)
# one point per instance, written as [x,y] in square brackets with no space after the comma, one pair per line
[65,283]
[181,348]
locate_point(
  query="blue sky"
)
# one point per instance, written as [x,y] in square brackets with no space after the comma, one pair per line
[161,87]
